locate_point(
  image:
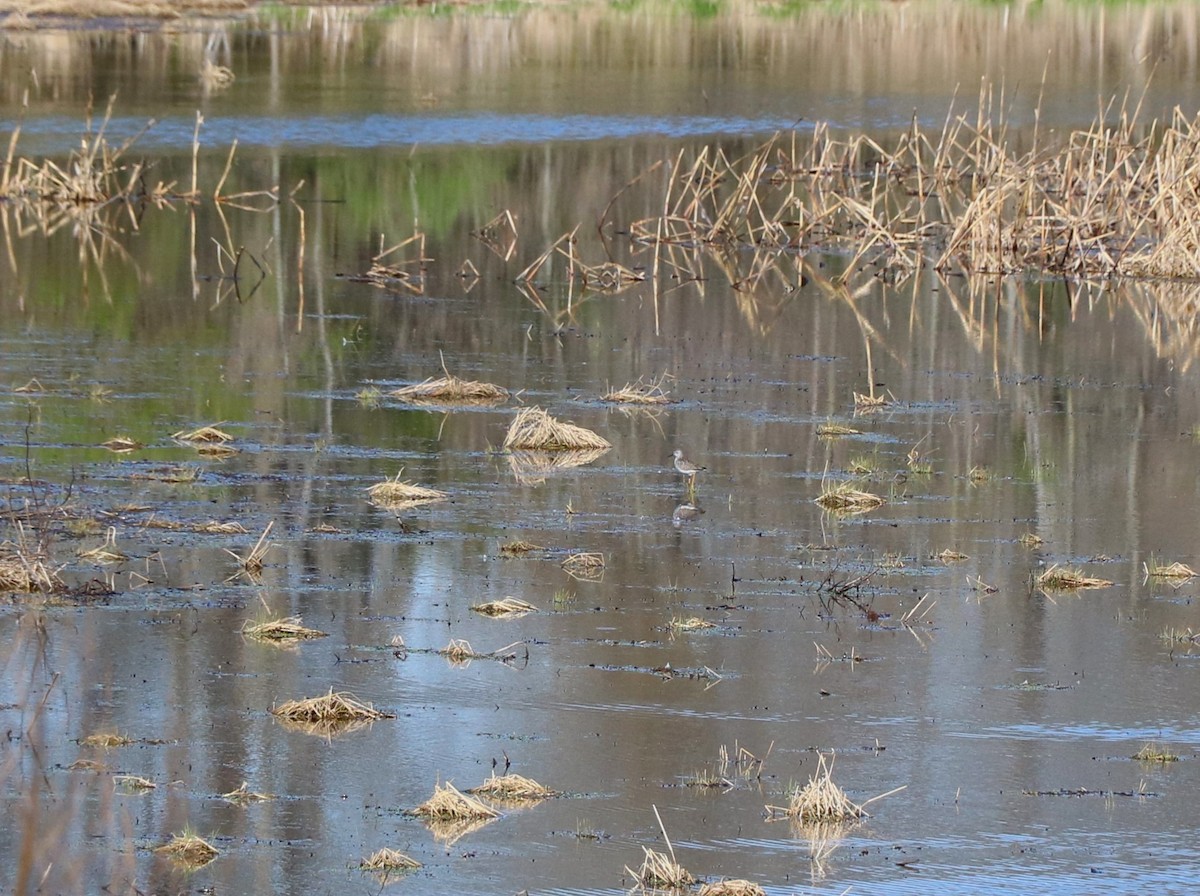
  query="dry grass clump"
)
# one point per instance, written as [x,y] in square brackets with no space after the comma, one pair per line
[134,783]
[690,624]
[214,76]
[1030,540]
[584,565]
[534,428]
[832,430]
[460,651]
[448,803]
[845,498]
[513,787]
[394,493]
[27,573]
[660,872]
[1174,635]
[107,552]
[289,628]
[331,708]
[734,887]
[122,444]
[1059,578]
[104,739]
[449,389]
[244,794]
[508,607]
[209,434]
[1152,752]
[518,548]
[189,849]
[642,392]
[1158,570]
[819,800]
[386,859]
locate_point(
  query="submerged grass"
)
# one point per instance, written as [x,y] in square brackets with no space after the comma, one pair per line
[642,392]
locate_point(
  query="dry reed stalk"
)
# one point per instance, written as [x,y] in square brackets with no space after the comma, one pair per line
[534,428]
[122,444]
[394,493]
[951,556]
[513,787]
[189,849]
[174,475]
[585,565]
[508,607]
[26,572]
[499,235]
[408,273]
[244,794]
[215,77]
[253,562]
[733,887]
[609,277]
[213,527]
[210,434]
[844,498]
[659,872]
[285,629]
[386,859]
[1059,578]
[642,392]
[107,552]
[459,651]
[1174,635]
[448,803]
[339,707]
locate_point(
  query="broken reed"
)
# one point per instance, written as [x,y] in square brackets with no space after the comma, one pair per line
[642,392]
[1114,199]
[506,607]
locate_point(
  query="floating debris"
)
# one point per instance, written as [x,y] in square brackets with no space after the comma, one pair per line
[845,498]
[244,794]
[513,787]
[386,859]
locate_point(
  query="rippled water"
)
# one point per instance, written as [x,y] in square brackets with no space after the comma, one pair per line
[1008,714]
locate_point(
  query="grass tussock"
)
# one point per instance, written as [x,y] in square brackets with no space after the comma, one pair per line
[449,389]
[845,498]
[534,429]
[690,624]
[660,872]
[448,803]
[27,572]
[518,548]
[189,849]
[734,887]
[106,740]
[1152,752]
[330,708]
[244,795]
[833,430]
[393,493]
[822,800]
[386,859]
[1060,578]
[289,628]
[122,444]
[507,608]
[513,787]
[586,565]
[133,783]
[642,392]
[205,434]
[1156,569]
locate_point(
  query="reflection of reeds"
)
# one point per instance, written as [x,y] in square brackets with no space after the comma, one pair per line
[532,467]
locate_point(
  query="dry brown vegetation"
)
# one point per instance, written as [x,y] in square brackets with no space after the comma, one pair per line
[642,392]
[734,887]
[535,429]
[1060,578]
[290,628]
[518,548]
[386,859]
[189,849]
[449,389]
[105,739]
[396,268]
[845,498]
[392,493]
[822,800]
[448,803]
[513,787]
[506,607]
[328,715]
[585,565]
[244,794]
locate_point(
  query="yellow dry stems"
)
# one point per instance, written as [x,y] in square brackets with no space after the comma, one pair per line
[448,803]
[518,548]
[210,434]
[253,561]
[507,607]
[104,739]
[1060,578]
[845,498]
[244,794]
[642,392]
[189,849]
[535,429]
[332,707]
[585,565]
[387,859]
[733,887]
[690,624]
[290,628]
[122,444]
[512,787]
[393,493]
[1158,570]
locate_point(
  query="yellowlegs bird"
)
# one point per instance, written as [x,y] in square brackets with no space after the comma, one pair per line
[686,467]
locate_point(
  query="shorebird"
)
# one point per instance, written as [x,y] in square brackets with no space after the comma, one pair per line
[686,467]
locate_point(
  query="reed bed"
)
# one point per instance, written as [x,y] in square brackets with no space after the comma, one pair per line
[448,803]
[644,391]
[535,429]
[289,628]
[507,607]
[1060,578]
[393,493]
[513,787]
[189,849]
[387,859]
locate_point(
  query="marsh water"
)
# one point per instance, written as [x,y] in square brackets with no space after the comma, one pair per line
[1029,423]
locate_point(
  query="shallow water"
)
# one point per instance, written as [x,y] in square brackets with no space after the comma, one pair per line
[1009,714]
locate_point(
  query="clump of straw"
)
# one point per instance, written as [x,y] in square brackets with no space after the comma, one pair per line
[26,572]
[691,624]
[845,498]
[735,887]
[253,562]
[1059,578]
[642,392]
[394,493]
[189,849]
[449,389]
[339,707]
[513,787]
[289,628]
[107,740]
[508,607]
[122,444]
[1158,570]
[821,800]
[386,859]
[518,548]
[460,651]
[448,803]
[534,428]
[135,783]
[107,552]
[659,871]
[584,565]
[209,434]
[531,466]
[832,430]
[244,794]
